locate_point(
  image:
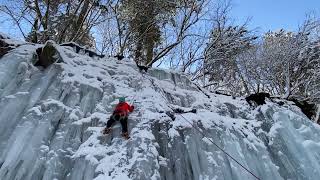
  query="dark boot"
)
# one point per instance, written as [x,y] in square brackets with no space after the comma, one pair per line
[124,124]
[125,135]
[107,130]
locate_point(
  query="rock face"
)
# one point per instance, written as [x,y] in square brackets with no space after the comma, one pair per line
[48,55]
[50,123]
[5,47]
[309,109]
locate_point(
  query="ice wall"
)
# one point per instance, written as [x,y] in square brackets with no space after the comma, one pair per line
[51,121]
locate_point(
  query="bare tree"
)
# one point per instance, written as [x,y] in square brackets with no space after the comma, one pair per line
[221,70]
[142,26]
[115,31]
[188,14]
[56,20]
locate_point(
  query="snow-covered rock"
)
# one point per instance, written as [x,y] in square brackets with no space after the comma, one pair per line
[51,121]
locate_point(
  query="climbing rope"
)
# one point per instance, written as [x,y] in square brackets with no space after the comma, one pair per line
[221,149]
[134,97]
[246,169]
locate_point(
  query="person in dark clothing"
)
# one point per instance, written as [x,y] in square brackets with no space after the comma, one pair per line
[120,113]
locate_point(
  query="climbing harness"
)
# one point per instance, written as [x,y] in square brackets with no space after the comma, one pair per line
[246,169]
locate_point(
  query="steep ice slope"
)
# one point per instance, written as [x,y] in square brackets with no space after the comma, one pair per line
[50,123]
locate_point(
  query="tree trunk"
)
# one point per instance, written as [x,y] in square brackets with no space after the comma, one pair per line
[138,52]
[288,85]
[34,30]
[78,26]
[45,21]
[149,49]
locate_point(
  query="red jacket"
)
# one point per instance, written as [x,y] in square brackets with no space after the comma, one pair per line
[123,109]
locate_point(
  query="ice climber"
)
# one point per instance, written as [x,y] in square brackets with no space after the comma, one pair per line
[120,113]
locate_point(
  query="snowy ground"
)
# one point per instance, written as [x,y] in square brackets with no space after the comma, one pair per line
[51,121]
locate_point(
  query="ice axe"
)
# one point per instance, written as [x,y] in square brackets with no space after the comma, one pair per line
[133,99]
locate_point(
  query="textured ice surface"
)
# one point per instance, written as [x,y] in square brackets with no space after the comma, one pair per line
[50,123]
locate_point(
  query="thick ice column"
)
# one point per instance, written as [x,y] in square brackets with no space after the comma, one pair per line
[290,135]
[25,145]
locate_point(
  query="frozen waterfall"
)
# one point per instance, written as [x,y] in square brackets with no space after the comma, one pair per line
[51,121]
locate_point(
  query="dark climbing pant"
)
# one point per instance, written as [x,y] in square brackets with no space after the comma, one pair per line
[123,120]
